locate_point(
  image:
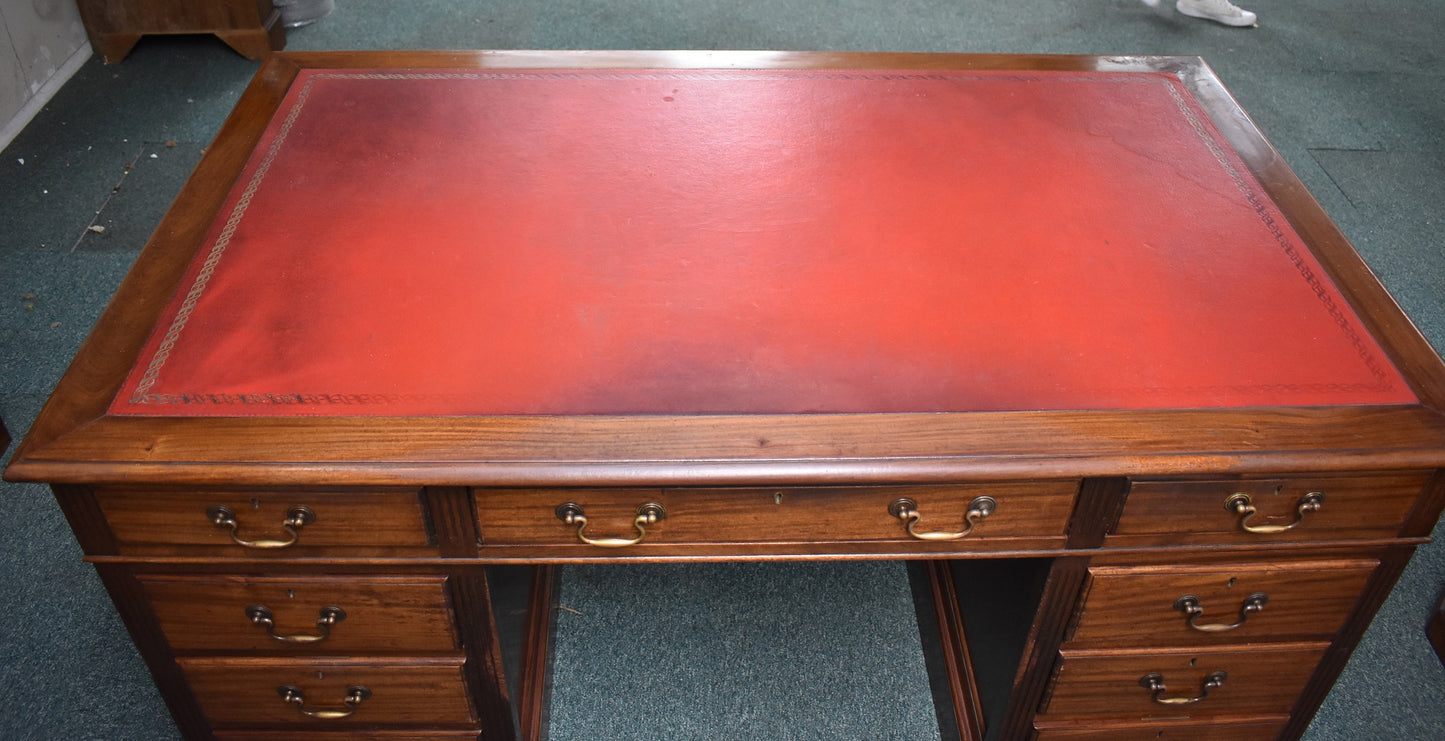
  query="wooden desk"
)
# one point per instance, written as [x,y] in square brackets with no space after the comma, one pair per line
[418,315]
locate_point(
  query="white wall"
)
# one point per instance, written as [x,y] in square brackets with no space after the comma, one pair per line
[42,43]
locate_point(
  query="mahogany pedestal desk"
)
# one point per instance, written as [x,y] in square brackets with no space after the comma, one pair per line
[421,317]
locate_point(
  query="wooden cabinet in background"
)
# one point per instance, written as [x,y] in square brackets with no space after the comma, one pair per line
[252,27]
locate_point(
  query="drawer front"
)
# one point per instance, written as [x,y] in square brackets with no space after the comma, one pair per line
[1216,605]
[431,734]
[1263,731]
[266,524]
[326,615]
[1305,508]
[247,692]
[1018,511]
[1257,682]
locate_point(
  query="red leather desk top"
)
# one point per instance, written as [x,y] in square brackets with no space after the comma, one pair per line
[671,242]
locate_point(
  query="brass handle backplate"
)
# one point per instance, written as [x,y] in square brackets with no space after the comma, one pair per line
[260,615]
[355,695]
[1154,682]
[906,510]
[296,518]
[648,514]
[1242,505]
[1189,605]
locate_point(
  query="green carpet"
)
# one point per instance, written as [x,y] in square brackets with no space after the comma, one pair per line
[739,651]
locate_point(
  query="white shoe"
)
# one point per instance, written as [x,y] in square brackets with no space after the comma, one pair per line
[1219,11]
[1151,3]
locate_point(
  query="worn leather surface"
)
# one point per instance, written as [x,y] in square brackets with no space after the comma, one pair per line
[595,242]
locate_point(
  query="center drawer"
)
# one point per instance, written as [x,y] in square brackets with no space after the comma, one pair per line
[966,516]
[311,614]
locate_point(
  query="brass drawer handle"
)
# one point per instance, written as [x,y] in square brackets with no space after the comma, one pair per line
[296,518]
[1189,605]
[355,695]
[260,615]
[648,514]
[1154,682]
[1242,504]
[907,510]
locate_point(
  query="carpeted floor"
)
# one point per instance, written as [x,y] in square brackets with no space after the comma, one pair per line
[1352,92]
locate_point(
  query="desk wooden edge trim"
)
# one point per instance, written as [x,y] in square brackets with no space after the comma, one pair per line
[599,474]
[1178,65]
[715,553]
